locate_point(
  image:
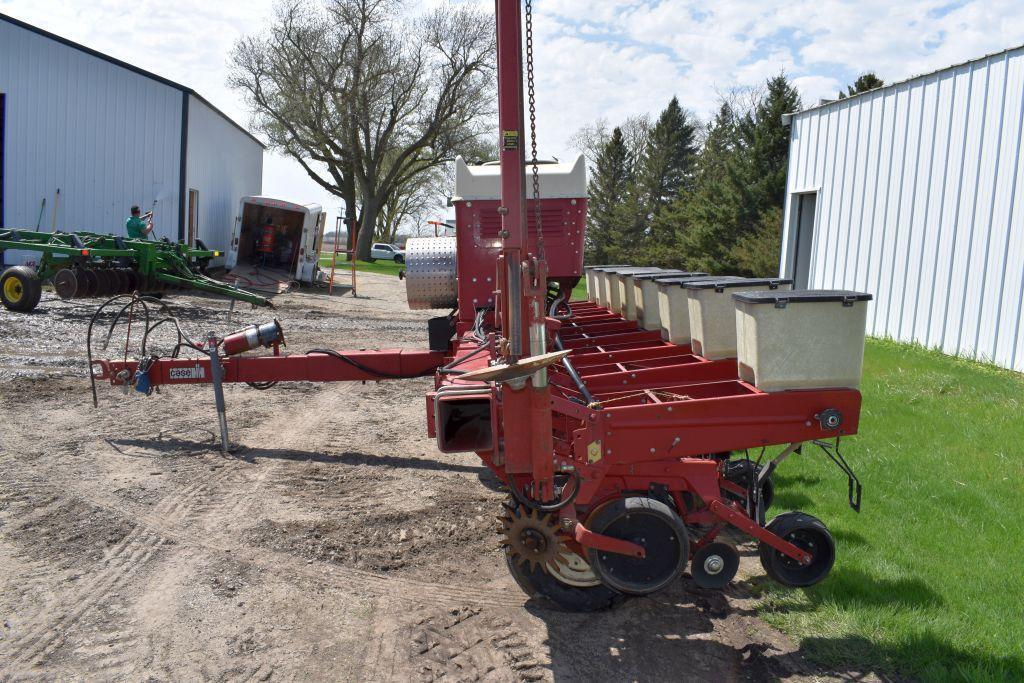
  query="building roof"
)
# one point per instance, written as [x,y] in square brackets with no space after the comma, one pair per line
[130,67]
[896,84]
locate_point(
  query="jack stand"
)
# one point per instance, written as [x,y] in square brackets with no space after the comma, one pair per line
[217,375]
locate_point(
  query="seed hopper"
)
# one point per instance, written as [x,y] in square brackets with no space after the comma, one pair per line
[624,452]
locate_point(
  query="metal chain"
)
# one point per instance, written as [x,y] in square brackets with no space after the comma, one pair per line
[533,128]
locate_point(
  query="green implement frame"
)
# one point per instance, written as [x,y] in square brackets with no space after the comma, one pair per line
[86,264]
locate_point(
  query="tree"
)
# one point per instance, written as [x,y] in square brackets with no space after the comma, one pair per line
[590,140]
[741,180]
[366,99]
[611,175]
[689,227]
[864,82]
[664,174]
[666,168]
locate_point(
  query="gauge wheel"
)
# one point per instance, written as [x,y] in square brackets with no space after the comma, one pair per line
[651,524]
[805,532]
[20,289]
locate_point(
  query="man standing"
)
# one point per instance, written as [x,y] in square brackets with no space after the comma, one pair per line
[265,246]
[139,226]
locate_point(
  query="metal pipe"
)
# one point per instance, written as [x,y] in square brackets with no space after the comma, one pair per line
[574,376]
[217,376]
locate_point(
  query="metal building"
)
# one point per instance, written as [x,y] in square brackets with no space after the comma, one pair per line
[109,135]
[913,192]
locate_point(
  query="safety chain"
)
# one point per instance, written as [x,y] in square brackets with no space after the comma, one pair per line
[533,128]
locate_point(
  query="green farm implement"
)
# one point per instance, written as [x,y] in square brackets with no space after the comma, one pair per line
[85,264]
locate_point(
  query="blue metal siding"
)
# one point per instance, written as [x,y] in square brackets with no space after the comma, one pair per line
[921,203]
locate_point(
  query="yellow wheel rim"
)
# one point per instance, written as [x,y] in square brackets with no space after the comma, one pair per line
[13,291]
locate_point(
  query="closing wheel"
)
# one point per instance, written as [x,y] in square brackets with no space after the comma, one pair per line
[20,289]
[805,532]
[648,523]
[65,283]
[714,565]
[539,583]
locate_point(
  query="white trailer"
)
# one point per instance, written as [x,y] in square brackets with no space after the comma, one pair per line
[301,233]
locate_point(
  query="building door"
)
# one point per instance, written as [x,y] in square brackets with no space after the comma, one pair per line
[193,217]
[3,102]
[803,230]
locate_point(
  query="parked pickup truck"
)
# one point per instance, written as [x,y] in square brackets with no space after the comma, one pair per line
[387,252]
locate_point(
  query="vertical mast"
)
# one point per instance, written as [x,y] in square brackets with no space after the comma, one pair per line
[512,158]
[526,416]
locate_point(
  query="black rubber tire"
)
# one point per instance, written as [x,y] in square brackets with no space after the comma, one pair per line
[662,525]
[20,289]
[807,532]
[540,585]
[399,258]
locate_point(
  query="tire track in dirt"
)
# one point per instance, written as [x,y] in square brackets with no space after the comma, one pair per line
[47,631]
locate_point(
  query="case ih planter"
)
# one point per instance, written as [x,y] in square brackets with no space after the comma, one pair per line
[623,453]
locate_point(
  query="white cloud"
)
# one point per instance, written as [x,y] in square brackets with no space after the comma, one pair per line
[595,58]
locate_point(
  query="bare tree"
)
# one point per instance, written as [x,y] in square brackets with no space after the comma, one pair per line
[367,98]
[591,139]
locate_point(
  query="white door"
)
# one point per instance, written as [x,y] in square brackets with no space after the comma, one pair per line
[231,258]
[312,226]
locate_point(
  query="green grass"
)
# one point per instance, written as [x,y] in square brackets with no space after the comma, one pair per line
[380,267]
[580,290]
[392,268]
[929,577]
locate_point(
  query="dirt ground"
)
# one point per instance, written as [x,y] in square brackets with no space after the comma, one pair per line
[336,544]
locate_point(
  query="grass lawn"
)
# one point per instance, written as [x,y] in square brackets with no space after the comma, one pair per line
[392,268]
[380,267]
[929,577]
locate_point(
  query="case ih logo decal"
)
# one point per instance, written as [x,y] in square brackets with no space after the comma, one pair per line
[196,372]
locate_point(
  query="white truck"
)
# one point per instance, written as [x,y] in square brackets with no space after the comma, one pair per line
[299,235]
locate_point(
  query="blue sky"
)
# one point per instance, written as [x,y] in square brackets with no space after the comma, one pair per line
[595,58]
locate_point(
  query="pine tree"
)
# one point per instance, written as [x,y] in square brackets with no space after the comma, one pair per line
[664,174]
[710,208]
[864,82]
[611,176]
[741,185]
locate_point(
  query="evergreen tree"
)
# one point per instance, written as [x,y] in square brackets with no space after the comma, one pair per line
[611,177]
[864,82]
[664,174]
[742,180]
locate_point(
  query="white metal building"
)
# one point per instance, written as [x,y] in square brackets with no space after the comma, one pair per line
[109,135]
[913,192]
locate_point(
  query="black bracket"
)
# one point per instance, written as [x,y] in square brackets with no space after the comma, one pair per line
[853,483]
